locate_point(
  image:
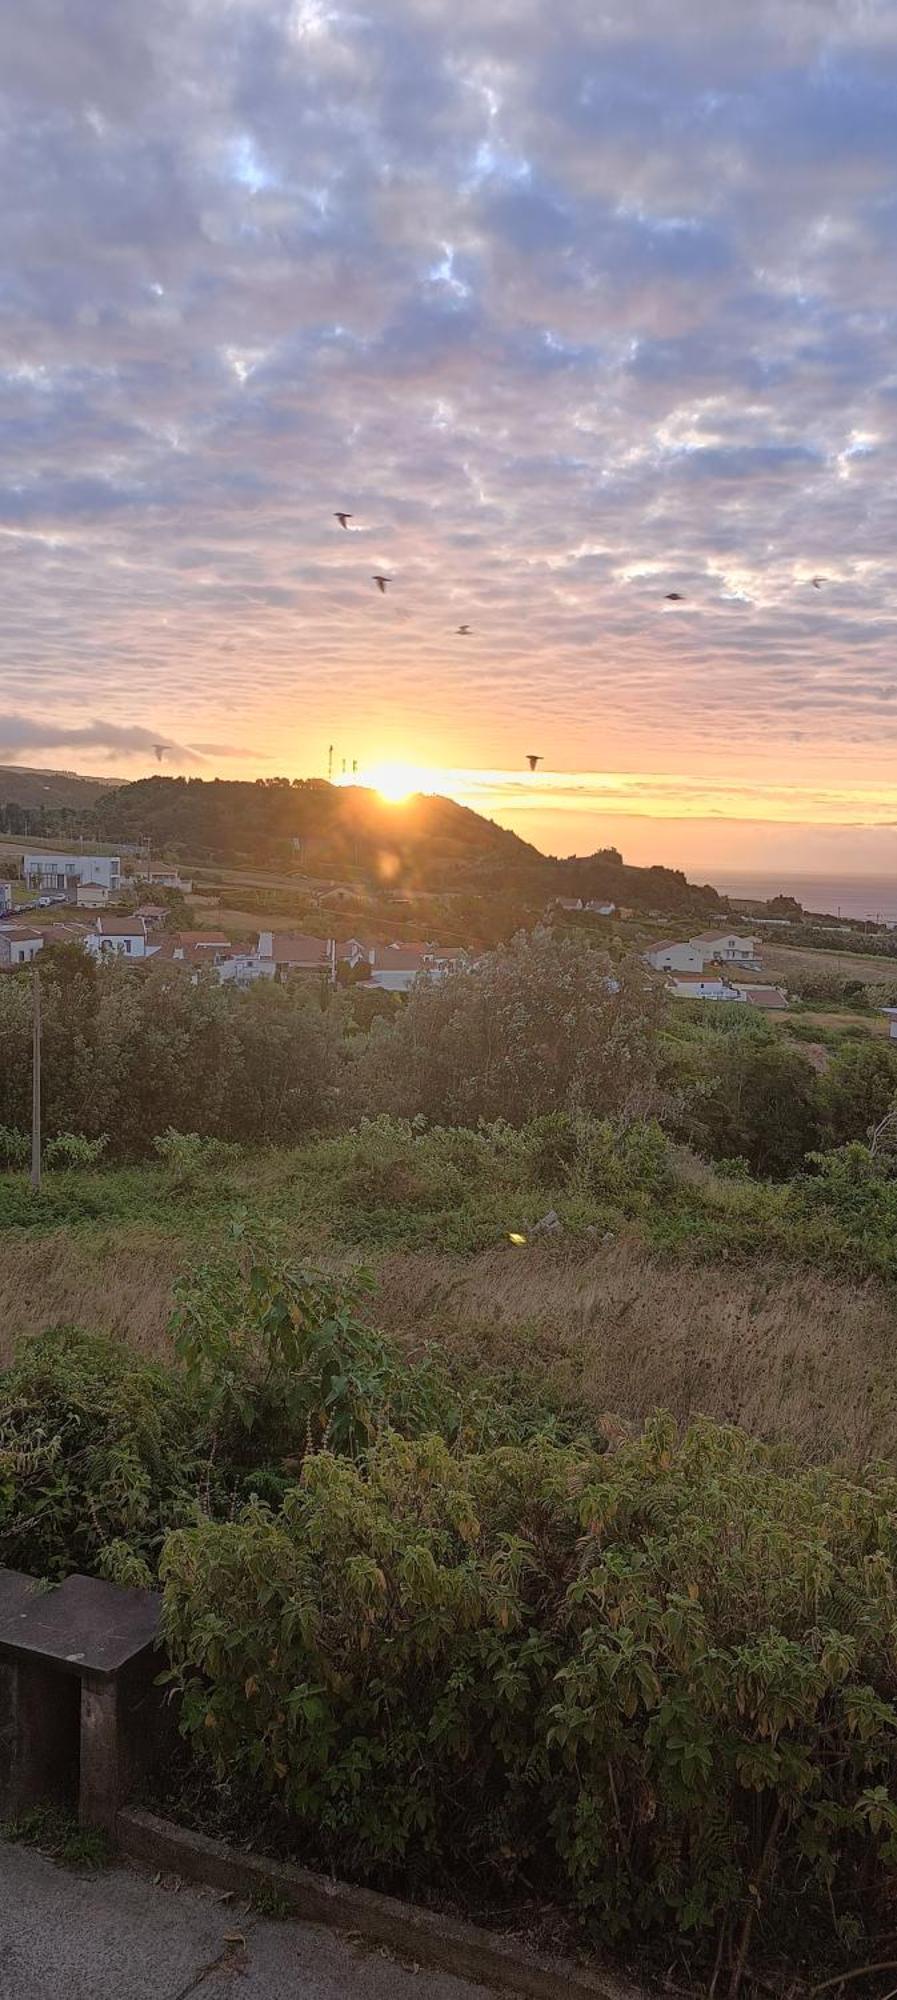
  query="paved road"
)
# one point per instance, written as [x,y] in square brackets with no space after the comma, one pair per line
[120,1936]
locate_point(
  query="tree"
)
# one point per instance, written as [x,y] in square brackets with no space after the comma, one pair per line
[543,1024]
[858,1089]
[760,1103]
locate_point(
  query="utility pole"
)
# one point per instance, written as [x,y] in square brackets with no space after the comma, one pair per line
[35,1081]
[330,764]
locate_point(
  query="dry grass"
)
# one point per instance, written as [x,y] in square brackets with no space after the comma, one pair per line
[781,960]
[107,1285]
[788,1354]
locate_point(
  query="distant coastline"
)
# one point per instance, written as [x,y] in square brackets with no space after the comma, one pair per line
[858,896]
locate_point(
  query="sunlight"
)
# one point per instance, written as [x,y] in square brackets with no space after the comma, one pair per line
[397,782]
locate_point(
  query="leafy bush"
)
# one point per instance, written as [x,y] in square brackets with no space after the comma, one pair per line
[14,1147]
[190,1158]
[280,1353]
[98,1447]
[72,1149]
[661,1683]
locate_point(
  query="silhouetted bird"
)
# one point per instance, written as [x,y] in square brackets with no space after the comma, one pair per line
[381,582]
[532,760]
[160,749]
[463,630]
[675,597]
[344,519]
[818,581]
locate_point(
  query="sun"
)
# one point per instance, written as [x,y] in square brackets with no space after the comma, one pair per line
[397,783]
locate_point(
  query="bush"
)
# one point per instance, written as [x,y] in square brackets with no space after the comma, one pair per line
[72,1149]
[14,1147]
[661,1684]
[98,1448]
[190,1159]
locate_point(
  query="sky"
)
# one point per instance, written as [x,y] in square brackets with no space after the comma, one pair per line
[568,306]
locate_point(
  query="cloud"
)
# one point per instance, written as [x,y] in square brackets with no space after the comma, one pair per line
[22,733]
[569,307]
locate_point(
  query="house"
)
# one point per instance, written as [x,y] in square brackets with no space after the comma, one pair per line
[891,1013]
[5,898]
[703,986]
[681,956]
[769,997]
[295,952]
[567,903]
[243,968]
[19,944]
[153,914]
[49,872]
[191,948]
[729,947]
[91,895]
[118,937]
[395,967]
[165,878]
[596,909]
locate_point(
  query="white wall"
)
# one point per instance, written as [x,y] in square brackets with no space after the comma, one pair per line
[676,957]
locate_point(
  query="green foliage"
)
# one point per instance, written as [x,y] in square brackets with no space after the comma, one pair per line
[97,1447]
[753,1095]
[14,1147]
[659,1683]
[72,1149]
[281,1352]
[190,1159]
[857,1089]
[58,1834]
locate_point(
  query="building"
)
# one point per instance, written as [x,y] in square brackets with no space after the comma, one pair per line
[91,895]
[191,948]
[118,937]
[891,1013]
[165,878]
[153,914]
[243,968]
[596,909]
[19,944]
[296,952]
[769,997]
[45,873]
[5,898]
[703,986]
[571,903]
[681,956]
[729,947]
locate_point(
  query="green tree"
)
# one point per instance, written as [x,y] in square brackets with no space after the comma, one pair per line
[760,1101]
[857,1090]
[541,1025]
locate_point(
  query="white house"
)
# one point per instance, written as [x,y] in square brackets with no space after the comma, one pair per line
[242,968]
[728,947]
[120,937]
[165,878]
[681,956]
[47,872]
[91,895]
[771,998]
[701,986]
[597,909]
[19,944]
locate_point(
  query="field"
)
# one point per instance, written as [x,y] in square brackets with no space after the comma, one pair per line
[781,960]
[711,1299]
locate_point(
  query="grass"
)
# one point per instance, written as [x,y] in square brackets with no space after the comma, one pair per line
[708,1294]
[781,960]
[55,1832]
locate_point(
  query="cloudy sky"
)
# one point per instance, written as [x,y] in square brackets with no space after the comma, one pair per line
[569,306]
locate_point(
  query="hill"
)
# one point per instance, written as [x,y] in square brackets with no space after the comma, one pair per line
[427,843]
[49,791]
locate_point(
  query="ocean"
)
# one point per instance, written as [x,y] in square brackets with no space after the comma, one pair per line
[859,896]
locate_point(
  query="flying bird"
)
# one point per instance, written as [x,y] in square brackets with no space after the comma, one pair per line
[532,760]
[818,581]
[160,749]
[675,597]
[381,582]
[343,519]
[463,630]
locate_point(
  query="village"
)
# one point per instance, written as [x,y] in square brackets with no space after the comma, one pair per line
[712,966]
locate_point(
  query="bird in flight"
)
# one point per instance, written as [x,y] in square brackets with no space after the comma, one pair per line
[675,597]
[463,630]
[818,581]
[343,519]
[533,760]
[381,582]
[160,749]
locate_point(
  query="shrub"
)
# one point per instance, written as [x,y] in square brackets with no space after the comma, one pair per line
[14,1147]
[97,1447]
[660,1683]
[191,1159]
[72,1149]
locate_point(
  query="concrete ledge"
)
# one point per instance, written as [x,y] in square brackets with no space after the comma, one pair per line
[415,1934]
